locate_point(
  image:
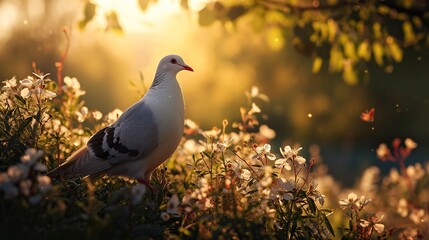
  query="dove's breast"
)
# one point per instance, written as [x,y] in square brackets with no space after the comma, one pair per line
[168,110]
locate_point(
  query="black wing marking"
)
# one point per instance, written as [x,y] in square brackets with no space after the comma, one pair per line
[106,137]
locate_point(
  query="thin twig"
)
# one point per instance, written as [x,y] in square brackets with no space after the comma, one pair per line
[60,64]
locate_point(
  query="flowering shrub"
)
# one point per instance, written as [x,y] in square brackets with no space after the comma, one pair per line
[226,182]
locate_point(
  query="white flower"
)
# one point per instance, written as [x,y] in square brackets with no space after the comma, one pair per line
[221,146]
[282,163]
[410,144]
[417,215]
[28,82]
[165,216]
[82,114]
[379,227]
[239,171]
[25,186]
[267,132]
[266,181]
[97,115]
[264,151]
[243,174]
[191,146]
[9,84]
[173,205]
[319,197]
[17,172]
[292,154]
[191,124]
[254,109]
[114,115]
[204,185]
[40,167]
[30,156]
[212,134]
[201,195]
[362,202]
[44,184]
[254,93]
[25,93]
[137,192]
[351,199]
[191,127]
[394,175]
[46,94]
[383,151]
[402,207]
[73,85]
[416,171]
[373,223]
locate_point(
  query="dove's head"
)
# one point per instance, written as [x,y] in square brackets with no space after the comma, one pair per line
[173,64]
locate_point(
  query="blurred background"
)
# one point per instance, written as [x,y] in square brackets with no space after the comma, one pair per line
[234,45]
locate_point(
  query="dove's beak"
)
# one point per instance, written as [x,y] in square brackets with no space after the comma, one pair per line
[186,67]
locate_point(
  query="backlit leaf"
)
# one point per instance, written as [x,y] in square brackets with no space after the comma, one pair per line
[317,64]
[89,13]
[206,16]
[409,35]
[364,51]
[350,50]
[378,52]
[395,51]
[113,23]
[274,38]
[349,74]
[336,59]
[235,12]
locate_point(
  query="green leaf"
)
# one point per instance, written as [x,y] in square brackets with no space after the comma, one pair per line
[349,74]
[206,16]
[207,154]
[4,132]
[317,64]
[20,98]
[312,205]
[394,50]
[24,124]
[236,11]
[252,191]
[336,59]
[378,52]
[364,51]
[274,38]
[113,23]
[409,34]
[328,224]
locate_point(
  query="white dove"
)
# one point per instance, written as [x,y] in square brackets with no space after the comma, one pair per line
[142,138]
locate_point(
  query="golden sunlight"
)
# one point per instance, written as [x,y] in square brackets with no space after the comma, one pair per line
[132,17]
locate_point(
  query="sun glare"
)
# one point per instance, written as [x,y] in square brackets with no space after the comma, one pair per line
[133,19]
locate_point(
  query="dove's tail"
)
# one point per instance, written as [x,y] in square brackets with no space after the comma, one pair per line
[80,164]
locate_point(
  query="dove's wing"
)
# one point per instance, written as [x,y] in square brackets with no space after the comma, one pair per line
[133,136]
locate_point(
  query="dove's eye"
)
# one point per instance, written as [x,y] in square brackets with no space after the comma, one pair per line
[173,61]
